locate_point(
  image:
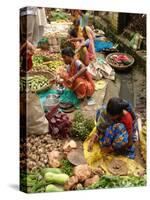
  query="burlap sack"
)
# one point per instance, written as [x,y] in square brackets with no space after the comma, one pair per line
[36,122]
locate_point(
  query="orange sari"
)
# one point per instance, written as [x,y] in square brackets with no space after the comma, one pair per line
[83,86]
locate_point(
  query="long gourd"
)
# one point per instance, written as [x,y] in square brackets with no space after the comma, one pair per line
[56,178]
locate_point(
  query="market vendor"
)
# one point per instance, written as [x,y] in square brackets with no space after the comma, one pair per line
[77,28]
[75,15]
[115,130]
[86,41]
[26,51]
[43,44]
[76,78]
[82,53]
[89,42]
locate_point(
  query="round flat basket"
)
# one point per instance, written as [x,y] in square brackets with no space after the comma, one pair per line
[116,65]
[76,157]
[117,167]
[48,75]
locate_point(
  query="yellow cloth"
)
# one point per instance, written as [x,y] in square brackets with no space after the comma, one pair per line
[99,85]
[97,158]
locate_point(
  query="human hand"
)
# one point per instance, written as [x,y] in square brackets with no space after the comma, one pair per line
[71,80]
[107,149]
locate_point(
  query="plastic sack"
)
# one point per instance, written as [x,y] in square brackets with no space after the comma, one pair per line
[36,121]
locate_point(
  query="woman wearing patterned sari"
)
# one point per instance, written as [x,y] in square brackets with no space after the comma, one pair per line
[115,128]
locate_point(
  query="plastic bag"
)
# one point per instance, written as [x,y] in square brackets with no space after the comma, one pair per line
[36,121]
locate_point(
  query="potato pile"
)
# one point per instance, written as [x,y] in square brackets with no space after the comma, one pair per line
[36,150]
[143,142]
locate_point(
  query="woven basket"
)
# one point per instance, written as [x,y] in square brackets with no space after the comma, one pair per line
[48,75]
[122,66]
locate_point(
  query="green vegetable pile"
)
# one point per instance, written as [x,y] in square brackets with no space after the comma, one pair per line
[81,126]
[45,180]
[118,181]
[67,167]
[33,82]
[39,59]
[56,16]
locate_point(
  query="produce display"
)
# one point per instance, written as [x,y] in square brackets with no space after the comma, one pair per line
[119,181]
[67,167]
[81,126]
[143,142]
[34,83]
[35,151]
[120,60]
[59,16]
[44,180]
[41,63]
[59,125]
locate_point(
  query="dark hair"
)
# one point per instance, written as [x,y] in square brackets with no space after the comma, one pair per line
[68,51]
[73,33]
[76,22]
[84,11]
[116,106]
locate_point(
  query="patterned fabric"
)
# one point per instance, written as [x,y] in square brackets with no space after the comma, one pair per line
[103,121]
[117,136]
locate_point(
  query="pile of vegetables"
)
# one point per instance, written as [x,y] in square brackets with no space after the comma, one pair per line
[39,59]
[59,125]
[118,181]
[34,152]
[44,180]
[59,16]
[40,63]
[81,126]
[67,167]
[34,83]
[143,142]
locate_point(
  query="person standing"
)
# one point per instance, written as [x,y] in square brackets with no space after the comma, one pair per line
[29,25]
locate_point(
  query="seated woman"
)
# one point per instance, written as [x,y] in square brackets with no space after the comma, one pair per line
[115,131]
[76,78]
[43,46]
[89,42]
[78,28]
[82,53]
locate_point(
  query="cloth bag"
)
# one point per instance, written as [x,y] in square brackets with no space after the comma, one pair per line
[36,121]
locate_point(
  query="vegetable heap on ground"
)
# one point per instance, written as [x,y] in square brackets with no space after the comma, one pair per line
[81,126]
[33,82]
[59,16]
[59,125]
[44,180]
[118,181]
[143,142]
[42,63]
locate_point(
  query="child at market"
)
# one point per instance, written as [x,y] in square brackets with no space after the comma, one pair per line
[114,124]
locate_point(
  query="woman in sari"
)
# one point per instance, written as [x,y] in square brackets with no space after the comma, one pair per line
[77,78]
[89,42]
[82,53]
[115,128]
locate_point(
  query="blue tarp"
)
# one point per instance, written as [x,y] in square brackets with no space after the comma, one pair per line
[101,45]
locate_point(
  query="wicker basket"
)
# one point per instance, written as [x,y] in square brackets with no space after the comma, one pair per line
[122,66]
[48,75]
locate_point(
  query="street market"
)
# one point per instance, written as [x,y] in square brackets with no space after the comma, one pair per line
[82,101]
